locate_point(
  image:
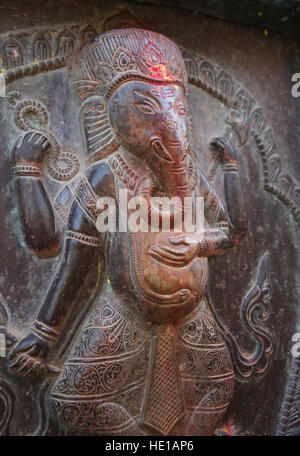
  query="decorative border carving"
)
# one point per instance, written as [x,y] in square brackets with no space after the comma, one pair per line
[30,52]
[255,311]
[247,118]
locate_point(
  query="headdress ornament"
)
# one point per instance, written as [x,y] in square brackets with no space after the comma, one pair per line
[119,55]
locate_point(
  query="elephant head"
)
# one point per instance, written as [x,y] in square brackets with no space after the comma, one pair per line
[150,121]
[141,79]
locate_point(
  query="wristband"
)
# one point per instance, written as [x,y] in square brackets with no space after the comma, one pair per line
[26,170]
[229,167]
[44,332]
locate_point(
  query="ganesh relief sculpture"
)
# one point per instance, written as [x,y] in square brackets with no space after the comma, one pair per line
[149,357]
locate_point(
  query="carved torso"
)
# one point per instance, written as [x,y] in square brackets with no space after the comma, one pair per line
[162,292]
[134,366]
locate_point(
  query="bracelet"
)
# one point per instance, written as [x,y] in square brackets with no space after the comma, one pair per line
[26,169]
[83,238]
[44,332]
[221,224]
[229,167]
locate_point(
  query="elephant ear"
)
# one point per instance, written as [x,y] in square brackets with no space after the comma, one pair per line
[100,138]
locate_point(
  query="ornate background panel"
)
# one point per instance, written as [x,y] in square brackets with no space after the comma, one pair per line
[230,366]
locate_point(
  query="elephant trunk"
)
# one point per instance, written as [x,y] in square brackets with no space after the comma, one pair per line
[176,183]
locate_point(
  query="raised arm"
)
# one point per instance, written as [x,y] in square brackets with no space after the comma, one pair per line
[233,192]
[35,209]
[78,271]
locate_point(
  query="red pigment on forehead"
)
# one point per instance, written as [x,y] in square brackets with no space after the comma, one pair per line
[160,72]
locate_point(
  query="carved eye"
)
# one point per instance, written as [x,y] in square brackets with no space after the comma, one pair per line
[145,108]
[179,107]
[147,104]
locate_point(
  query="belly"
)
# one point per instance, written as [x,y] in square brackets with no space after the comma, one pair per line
[157,290]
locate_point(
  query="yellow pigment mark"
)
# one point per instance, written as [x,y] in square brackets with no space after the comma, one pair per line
[98,275]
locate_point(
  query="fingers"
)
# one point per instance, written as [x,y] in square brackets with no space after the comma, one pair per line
[17,362]
[36,350]
[168,259]
[168,262]
[46,143]
[38,138]
[167,256]
[166,252]
[184,240]
[219,143]
[174,253]
[24,365]
[215,142]
[179,240]
[30,368]
[42,140]
[34,138]
[224,149]
[19,349]
[34,369]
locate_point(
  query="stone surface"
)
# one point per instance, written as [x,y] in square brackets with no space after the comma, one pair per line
[239,82]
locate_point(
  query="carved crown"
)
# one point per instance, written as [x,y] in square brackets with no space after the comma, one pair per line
[116,56]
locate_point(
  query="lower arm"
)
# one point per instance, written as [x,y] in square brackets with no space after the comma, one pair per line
[78,270]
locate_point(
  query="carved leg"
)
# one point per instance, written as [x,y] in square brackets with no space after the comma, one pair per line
[101,388]
[206,371]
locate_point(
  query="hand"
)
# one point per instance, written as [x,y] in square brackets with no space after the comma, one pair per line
[28,357]
[31,148]
[174,256]
[225,150]
[207,244]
